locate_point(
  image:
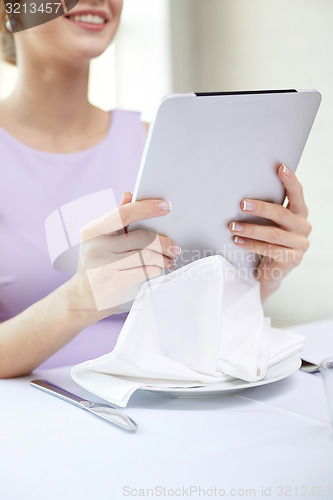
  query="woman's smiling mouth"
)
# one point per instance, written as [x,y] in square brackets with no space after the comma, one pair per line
[91,20]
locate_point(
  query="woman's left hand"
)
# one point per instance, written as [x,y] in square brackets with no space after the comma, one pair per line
[282,247]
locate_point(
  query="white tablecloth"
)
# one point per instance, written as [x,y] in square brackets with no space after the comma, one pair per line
[273,441]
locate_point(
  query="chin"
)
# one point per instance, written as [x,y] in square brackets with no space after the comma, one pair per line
[89,51]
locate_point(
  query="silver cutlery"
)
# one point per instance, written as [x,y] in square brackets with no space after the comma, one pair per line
[308,367]
[105,411]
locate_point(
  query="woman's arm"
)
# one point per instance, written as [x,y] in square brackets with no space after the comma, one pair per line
[112,264]
[282,246]
[32,336]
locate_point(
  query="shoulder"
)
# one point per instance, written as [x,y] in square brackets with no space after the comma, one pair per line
[128,121]
[11,127]
[126,114]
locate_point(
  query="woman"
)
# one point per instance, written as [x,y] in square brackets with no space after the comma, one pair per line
[57,147]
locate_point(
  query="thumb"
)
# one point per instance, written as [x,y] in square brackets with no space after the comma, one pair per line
[126,198]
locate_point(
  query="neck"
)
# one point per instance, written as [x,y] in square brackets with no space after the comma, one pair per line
[52,99]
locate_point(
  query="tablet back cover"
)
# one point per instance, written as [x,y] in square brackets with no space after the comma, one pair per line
[205,153]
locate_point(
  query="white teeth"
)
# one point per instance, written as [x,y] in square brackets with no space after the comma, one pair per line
[89,18]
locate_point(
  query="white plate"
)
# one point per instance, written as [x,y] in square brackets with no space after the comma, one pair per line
[274,373]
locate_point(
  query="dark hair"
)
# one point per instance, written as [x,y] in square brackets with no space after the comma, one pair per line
[7,43]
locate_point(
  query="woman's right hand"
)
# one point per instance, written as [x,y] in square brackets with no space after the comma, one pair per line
[113,261]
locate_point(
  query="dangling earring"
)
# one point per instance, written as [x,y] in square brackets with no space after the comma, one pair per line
[9,26]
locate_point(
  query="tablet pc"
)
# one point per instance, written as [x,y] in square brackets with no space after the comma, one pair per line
[206,152]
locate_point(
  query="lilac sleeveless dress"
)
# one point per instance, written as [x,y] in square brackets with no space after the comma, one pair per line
[33,184]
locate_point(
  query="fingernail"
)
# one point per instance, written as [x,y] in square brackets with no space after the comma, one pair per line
[165,205]
[235,226]
[175,250]
[171,263]
[286,170]
[239,240]
[248,206]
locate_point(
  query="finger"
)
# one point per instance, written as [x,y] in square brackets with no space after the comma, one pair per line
[100,256]
[140,274]
[103,250]
[140,239]
[105,297]
[143,210]
[294,191]
[126,198]
[270,234]
[143,258]
[123,216]
[282,216]
[289,257]
[137,276]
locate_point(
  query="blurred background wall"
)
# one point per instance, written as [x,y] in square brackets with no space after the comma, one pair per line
[168,46]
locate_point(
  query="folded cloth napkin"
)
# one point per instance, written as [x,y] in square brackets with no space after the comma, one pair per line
[201,324]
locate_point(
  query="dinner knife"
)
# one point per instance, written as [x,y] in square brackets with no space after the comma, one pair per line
[105,411]
[308,367]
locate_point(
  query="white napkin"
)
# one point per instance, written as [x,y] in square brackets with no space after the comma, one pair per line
[201,324]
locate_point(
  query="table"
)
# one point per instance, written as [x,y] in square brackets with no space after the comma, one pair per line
[273,441]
